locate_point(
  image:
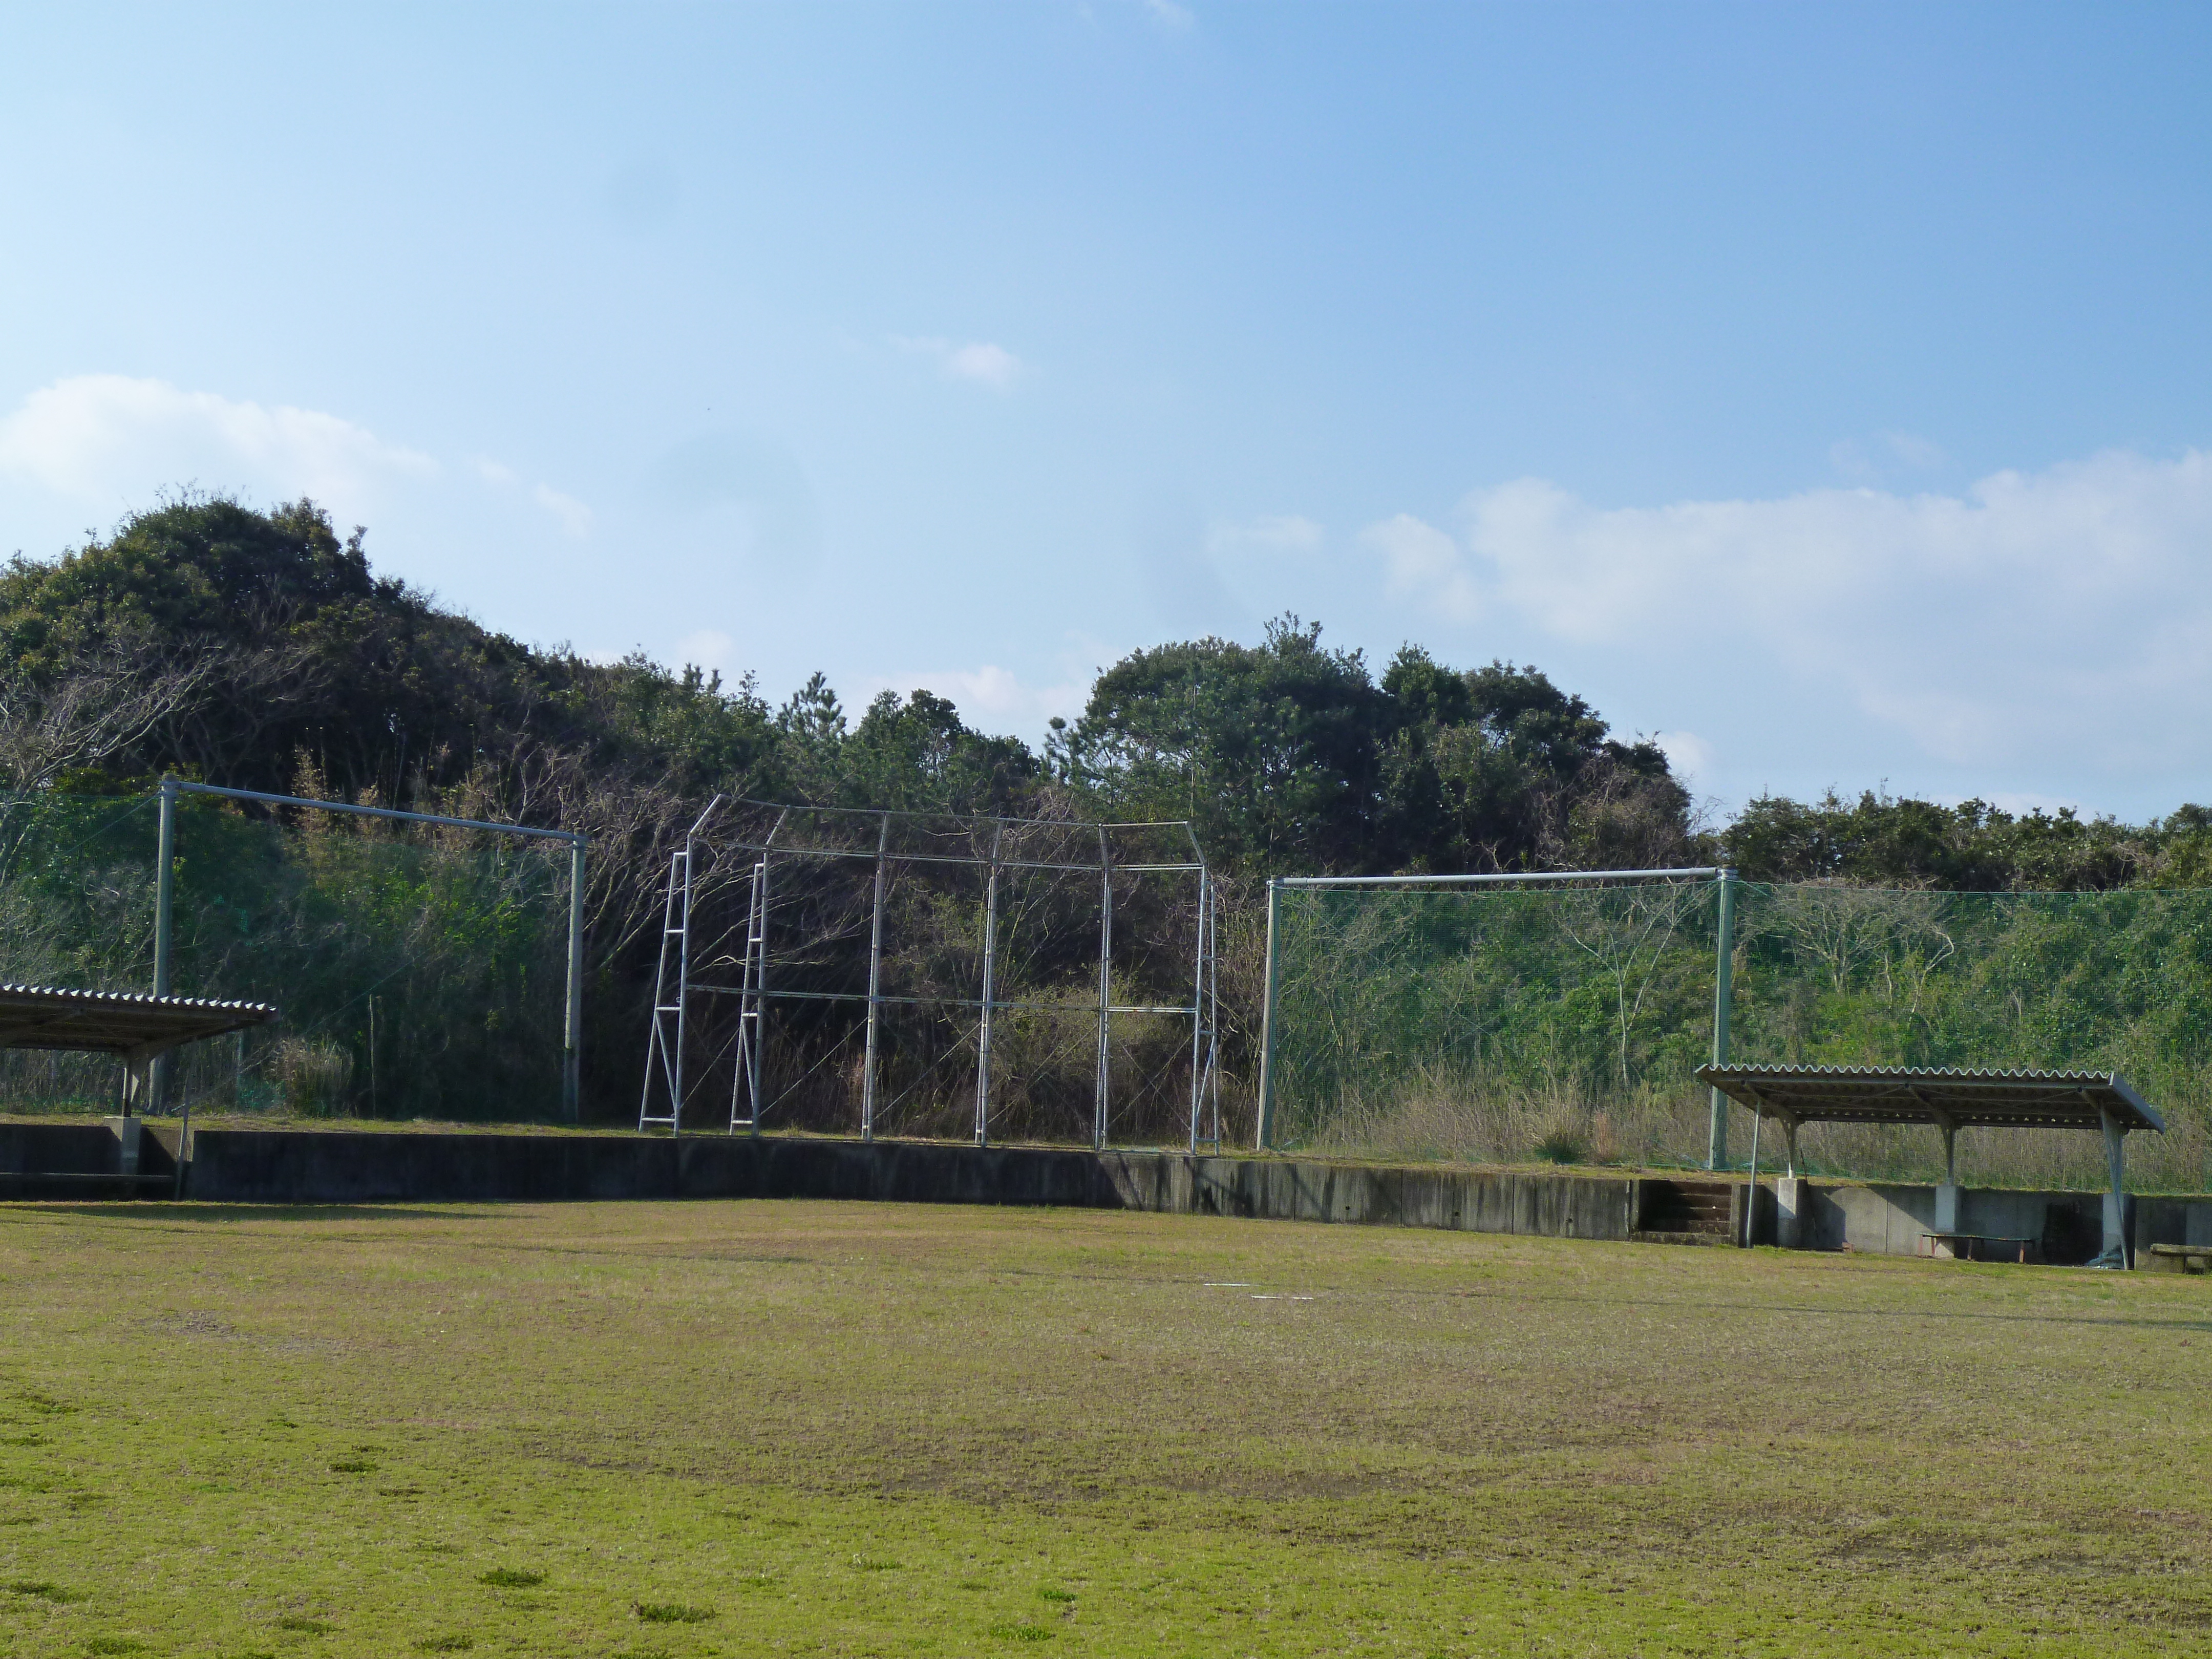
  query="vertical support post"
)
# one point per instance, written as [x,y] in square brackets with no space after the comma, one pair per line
[875,987]
[1105,993]
[683,998]
[1724,971]
[1789,1198]
[571,1040]
[2115,1253]
[990,993]
[1264,1132]
[184,1148]
[758,943]
[1198,1011]
[165,894]
[1751,1188]
[1213,1024]
[1947,1195]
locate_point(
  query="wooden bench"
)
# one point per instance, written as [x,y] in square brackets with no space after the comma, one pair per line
[1976,1247]
[2179,1259]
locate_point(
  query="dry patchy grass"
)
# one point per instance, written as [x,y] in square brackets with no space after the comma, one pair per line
[752,1428]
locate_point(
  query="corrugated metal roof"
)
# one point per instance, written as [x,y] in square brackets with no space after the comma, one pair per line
[1967,1098]
[116,1022]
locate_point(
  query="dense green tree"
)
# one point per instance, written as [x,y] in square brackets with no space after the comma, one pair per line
[1883,841]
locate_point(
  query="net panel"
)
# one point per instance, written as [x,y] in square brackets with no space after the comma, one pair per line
[1483,1023]
[421,970]
[1504,1025]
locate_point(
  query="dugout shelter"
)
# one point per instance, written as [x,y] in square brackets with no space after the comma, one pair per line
[137,1030]
[1950,1101]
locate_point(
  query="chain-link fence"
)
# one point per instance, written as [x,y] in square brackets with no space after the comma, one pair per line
[420,969]
[1507,1024]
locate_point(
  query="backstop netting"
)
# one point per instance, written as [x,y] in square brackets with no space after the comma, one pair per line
[420,969]
[935,977]
[1505,1024]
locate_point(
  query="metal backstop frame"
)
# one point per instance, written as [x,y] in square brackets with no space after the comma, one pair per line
[744,852]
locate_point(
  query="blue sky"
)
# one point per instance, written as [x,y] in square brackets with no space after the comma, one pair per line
[1828,391]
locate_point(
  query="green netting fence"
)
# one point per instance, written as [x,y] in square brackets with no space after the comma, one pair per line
[1508,1024]
[421,970]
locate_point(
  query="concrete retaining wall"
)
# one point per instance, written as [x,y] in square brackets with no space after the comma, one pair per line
[308,1166]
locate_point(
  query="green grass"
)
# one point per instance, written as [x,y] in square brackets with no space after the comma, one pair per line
[739,1428]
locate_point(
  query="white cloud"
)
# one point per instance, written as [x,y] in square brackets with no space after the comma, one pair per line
[112,440]
[2071,605]
[978,360]
[1281,533]
[990,698]
[1689,757]
[575,518]
[1419,561]
[1169,15]
[709,648]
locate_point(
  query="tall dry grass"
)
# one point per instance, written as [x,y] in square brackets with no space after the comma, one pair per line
[1442,1115]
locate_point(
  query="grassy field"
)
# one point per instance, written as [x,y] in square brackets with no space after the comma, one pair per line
[766,1428]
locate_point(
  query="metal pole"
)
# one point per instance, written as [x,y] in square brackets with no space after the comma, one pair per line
[1723,970]
[267,800]
[990,969]
[875,985]
[164,892]
[1213,1023]
[1489,880]
[759,943]
[1266,1130]
[682,1002]
[1105,997]
[1751,1192]
[1198,1014]
[572,1042]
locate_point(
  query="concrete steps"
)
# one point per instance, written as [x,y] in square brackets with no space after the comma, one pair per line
[1686,1212]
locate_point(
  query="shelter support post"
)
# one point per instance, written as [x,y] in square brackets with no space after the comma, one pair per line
[1790,1195]
[1724,970]
[150,1091]
[1751,1188]
[1264,1134]
[2115,1253]
[1947,1195]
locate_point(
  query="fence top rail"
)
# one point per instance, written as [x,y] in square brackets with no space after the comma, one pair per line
[1712,870]
[776,840]
[949,817]
[184,786]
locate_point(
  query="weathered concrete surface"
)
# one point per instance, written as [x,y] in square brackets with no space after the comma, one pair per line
[84,1160]
[311,1166]
[2067,1228]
